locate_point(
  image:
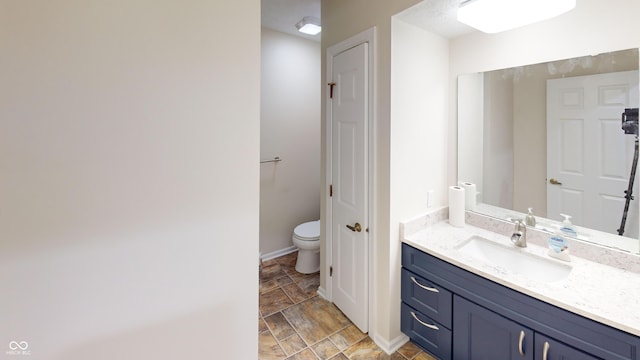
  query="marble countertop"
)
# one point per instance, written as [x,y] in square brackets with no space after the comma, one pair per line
[599,292]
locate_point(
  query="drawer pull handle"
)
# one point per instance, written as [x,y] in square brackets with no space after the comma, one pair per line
[520,343]
[545,350]
[424,287]
[432,327]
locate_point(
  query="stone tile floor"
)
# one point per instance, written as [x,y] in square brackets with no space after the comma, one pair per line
[297,324]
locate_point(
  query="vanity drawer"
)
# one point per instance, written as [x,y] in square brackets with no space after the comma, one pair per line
[424,331]
[427,297]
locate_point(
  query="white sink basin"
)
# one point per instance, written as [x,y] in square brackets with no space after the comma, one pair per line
[511,259]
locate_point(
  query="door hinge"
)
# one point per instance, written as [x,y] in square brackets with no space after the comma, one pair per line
[330,270]
[331,85]
[330,190]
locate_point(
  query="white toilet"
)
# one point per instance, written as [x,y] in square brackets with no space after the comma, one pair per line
[306,237]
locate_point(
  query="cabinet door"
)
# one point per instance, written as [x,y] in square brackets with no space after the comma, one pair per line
[481,334]
[549,349]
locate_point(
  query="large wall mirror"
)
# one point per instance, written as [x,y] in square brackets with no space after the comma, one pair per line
[549,137]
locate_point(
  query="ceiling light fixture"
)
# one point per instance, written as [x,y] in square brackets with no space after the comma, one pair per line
[493,16]
[309,25]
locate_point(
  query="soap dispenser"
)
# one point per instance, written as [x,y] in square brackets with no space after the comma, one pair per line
[530,220]
[567,227]
[558,245]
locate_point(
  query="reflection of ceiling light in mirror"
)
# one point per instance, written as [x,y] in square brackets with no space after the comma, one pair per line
[492,16]
[309,25]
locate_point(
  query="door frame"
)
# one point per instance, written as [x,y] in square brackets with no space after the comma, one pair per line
[367,36]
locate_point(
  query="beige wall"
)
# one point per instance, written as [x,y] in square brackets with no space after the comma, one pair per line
[529,127]
[290,129]
[129,149]
[419,88]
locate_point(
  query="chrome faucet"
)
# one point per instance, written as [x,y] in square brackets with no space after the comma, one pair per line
[519,237]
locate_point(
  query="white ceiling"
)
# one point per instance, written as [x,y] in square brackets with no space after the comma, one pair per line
[437,16]
[283,15]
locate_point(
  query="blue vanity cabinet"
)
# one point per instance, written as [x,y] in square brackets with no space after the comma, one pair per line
[481,334]
[484,335]
[480,319]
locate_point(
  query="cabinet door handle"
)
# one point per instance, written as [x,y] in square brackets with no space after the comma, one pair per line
[545,350]
[424,287]
[521,343]
[432,327]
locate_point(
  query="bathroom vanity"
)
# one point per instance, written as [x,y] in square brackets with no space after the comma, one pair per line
[459,304]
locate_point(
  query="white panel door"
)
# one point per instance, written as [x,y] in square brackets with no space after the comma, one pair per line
[349,113]
[589,157]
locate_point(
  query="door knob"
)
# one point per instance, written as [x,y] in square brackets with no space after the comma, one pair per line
[355,228]
[553,181]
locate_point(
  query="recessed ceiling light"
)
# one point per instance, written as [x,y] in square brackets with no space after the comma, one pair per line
[309,25]
[492,16]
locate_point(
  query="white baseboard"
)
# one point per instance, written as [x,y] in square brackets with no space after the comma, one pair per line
[323,293]
[278,253]
[390,346]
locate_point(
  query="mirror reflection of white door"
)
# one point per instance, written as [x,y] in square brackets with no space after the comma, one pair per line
[349,167]
[589,157]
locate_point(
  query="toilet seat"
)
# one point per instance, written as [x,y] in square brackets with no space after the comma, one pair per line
[309,231]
